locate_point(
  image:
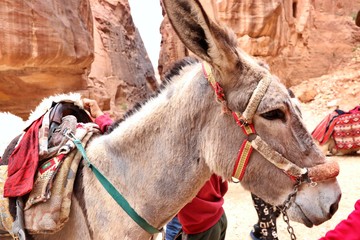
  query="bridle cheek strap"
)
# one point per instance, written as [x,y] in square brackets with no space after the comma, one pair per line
[255,142]
[255,99]
[245,150]
[242,160]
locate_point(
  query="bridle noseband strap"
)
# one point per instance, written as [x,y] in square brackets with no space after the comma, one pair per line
[276,158]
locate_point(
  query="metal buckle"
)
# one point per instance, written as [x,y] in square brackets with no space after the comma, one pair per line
[69,134]
[243,121]
[305,178]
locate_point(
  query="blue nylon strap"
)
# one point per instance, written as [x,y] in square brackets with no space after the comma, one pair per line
[114,193]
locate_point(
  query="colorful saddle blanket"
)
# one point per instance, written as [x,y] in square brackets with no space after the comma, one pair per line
[48,206]
[6,219]
[347,131]
[343,127]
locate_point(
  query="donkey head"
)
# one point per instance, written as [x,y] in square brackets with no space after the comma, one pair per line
[276,120]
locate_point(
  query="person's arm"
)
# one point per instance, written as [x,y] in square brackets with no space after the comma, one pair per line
[101,119]
[347,229]
[104,121]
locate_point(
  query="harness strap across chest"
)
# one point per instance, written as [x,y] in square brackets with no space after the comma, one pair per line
[253,141]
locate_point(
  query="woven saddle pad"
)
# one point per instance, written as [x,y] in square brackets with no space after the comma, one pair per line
[347,131]
[48,206]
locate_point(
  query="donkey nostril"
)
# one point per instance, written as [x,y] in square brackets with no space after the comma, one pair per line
[333,208]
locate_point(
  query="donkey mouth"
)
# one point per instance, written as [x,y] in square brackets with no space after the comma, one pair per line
[307,222]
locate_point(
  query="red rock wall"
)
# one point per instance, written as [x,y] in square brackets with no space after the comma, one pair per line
[93,47]
[87,46]
[44,49]
[299,39]
[121,73]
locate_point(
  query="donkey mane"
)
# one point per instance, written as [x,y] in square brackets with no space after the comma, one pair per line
[175,70]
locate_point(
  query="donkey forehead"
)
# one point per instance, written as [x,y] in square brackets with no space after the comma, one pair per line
[253,69]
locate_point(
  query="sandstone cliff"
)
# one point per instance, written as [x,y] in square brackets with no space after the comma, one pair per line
[86,46]
[299,39]
[121,73]
[45,48]
[93,47]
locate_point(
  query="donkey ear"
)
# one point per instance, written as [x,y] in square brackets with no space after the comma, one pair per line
[199,34]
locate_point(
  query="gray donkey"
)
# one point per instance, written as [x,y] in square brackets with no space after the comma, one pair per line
[159,157]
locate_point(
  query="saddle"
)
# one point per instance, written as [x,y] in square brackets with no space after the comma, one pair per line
[61,116]
[347,130]
[341,127]
[62,109]
[324,129]
[57,112]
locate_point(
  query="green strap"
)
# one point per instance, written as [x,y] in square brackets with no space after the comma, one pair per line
[114,193]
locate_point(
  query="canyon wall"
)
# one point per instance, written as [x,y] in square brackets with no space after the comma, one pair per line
[121,74]
[298,39]
[93,46]
[53,47]
[45,48]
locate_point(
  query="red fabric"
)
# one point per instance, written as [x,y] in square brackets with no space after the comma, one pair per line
[104,121]
[205,210]
[347,229]
[23,163]
[355,109]
[324,129]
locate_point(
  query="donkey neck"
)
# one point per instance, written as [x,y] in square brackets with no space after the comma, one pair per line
[153,157]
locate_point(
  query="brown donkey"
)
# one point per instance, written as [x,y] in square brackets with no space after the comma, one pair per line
[159,157]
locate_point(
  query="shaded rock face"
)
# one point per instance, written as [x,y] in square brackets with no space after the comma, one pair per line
[171,49]
[45,48]
[298,39]
[87,46]
[121,73]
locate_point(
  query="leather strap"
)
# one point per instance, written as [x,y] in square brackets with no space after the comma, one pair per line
[114,193]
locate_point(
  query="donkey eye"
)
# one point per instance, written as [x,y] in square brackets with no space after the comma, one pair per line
[274,114]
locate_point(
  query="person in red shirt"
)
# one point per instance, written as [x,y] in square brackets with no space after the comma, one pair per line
[348,228]
[204,217]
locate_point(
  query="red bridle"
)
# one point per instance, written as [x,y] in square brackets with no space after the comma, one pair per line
[253,141]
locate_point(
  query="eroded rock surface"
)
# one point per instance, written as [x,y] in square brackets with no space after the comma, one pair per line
[87,46]
[45,48]
[298,39]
